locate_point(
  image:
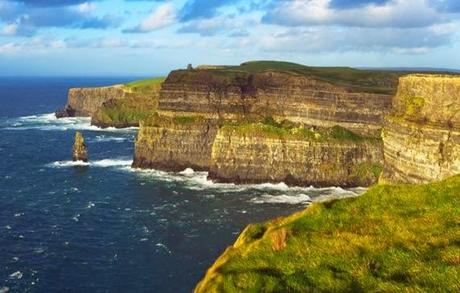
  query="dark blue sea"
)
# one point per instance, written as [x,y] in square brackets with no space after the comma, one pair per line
[104,227]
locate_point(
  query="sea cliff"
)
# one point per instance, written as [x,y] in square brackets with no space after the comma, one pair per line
[117,106]
[422,135]
[197,108]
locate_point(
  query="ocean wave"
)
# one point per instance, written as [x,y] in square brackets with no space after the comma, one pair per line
[282,198]
[49,122]
[104,138]
[105,163]
[272,192]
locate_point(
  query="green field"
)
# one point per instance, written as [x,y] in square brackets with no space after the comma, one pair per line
[394,238]
[145,85]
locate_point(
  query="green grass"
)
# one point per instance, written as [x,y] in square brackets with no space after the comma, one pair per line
[374,81]
[394,238]
[288,130]
[145,85]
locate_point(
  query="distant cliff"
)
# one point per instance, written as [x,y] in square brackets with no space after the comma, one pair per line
[114,106]
[203,115]
[422,135]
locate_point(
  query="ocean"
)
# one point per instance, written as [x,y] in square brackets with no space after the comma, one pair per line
[103,226]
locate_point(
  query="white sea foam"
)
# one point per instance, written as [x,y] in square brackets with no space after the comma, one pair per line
[50,122]
[282,198]
[104,138]
[105,163]
[16,275]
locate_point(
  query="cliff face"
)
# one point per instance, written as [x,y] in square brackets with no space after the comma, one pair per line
[86,101]
[253,158]
[278,94]
[422,136]
[175,143]
[197,107]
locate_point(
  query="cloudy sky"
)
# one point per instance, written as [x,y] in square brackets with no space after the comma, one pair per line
[151,37]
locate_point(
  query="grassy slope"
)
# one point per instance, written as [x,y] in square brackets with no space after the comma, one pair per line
[391,239]
[140,102]
[374,81]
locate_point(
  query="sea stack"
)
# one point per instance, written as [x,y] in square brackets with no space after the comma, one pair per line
[79,151]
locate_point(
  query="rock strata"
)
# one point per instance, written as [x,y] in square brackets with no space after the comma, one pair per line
[79,151]
[422,136]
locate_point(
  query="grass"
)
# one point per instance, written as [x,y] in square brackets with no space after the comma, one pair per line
[375,81]
[394,238]
[288,130]
[145,85]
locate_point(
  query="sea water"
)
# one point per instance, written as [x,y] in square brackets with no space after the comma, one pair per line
[103,226]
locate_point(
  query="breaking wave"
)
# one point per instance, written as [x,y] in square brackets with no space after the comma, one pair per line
[49,122]
[105,163]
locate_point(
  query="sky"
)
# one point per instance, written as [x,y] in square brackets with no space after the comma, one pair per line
[152,37]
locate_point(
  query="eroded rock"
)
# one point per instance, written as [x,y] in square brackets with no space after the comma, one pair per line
[79,151]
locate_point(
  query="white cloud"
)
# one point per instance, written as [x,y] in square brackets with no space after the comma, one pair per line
[163,16]
[10,29]
[86,7]
[394,13]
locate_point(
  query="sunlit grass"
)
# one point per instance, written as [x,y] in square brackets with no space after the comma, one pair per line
[393,238]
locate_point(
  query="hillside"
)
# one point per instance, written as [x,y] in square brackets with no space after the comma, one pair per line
[391,239]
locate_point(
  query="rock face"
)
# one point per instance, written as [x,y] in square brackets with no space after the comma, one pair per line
[114,106]
[281,95]
[79,151]
[253,158]
[422,136]
[194,107]
[175,143]
[86,101]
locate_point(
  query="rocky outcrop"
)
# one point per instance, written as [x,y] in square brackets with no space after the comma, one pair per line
[254,157]
[193,105]
[422,136]
[278,94]
[79,151]
[86,101]
[174,143]
[114,106]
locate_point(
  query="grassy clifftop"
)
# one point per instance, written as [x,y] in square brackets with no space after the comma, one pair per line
[139,101]
[393,238]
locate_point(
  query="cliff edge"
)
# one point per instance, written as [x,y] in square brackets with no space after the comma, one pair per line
[421,136]
[117,106]
[393,238]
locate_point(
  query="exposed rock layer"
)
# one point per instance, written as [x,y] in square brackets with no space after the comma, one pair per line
[86,101]
[278,94]
[422,137]
[170,144]
[256,159]
[79,151]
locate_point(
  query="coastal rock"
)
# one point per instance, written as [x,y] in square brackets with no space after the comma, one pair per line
[295,97]
[255,157]
[79,151]
[174,143]
[116,106]
[422,136]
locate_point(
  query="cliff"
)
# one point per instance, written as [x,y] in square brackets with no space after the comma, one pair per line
[422,135]
[322,99]
[114,106]
[257,153]
[393,238]
[174,143]
[296,93]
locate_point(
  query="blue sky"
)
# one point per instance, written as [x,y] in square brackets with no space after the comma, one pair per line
[152,37]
